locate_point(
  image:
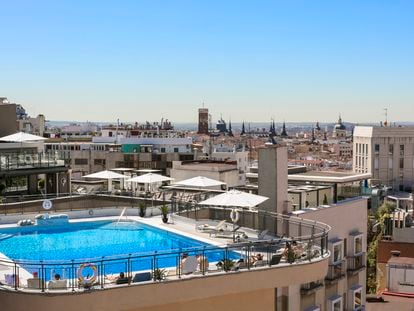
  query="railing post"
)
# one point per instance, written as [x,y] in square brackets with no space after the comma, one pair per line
[16,277]
[154,259]
[73,275]
[203,261]
[43,276]
[323,242]
[178,262]
[102,273]
[129,273]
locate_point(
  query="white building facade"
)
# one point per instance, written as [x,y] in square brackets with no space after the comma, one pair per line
[387,153]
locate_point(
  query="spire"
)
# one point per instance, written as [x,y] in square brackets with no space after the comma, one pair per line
[271,140]
[284,133]
[340,119]
[318,128]
[274,128]
[243,131]
[313,135]
[230,131]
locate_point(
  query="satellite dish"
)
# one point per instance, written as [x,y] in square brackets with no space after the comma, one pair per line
[47,204]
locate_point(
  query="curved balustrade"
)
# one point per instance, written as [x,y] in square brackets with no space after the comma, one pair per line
[286,241]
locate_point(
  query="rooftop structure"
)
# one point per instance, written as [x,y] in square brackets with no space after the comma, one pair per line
[387,153]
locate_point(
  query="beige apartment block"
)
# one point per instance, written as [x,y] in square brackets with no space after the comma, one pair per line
[387,153]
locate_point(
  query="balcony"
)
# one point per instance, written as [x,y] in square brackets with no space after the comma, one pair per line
[356,263]
[336,271]
[310,288]
[27,161]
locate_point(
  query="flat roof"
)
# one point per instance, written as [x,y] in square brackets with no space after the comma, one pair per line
[208,165]
[306,188]
[401,260]
[329,176]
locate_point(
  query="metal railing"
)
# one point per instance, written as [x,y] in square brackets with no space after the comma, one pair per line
[311,287]
[83,274]
[14,161]
[137,268]
[356,263]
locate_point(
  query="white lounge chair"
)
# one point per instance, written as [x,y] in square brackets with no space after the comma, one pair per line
[208,228]
[34,283]
[58,284]
[189,265]
[262,235]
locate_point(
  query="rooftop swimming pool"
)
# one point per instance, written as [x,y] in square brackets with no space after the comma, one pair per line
[81,242]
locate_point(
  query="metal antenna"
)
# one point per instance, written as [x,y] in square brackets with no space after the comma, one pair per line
[386,116]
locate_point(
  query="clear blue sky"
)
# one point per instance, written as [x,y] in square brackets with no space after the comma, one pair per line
[252,60]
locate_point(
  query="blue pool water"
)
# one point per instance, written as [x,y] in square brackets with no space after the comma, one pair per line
[90,241]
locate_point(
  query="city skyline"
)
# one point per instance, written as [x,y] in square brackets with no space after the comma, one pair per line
[297,62]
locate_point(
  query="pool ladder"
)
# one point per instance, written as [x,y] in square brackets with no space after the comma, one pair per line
[122,214]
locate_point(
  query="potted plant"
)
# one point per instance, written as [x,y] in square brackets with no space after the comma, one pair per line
[164,213]
[325,200]
[226,264]
[142,209]
[159,274]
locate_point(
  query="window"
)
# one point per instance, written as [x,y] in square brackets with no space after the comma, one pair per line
[358,244]
[390,149]
[401,163]
[81,161]
[376,163]
[175,149]
[355,296]
[163,149]
[110,134]
[99,162]
[335,303]
[337,252]
[401,150]
[377,148]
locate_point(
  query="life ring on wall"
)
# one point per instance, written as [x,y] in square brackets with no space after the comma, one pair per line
[90,212]
[234,216]
[87,280]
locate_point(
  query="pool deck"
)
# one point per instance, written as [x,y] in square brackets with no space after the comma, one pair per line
[178,225]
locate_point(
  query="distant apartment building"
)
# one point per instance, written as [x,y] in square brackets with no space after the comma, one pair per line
[344,286]
[240,156]
[225,171]
[139,153]
[387,153]
[13,118]
[342,150]
[395,255]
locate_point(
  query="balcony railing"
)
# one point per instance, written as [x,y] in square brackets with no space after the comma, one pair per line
[309,288]
[163,266]
[15,161]
[356,263]
[336,271]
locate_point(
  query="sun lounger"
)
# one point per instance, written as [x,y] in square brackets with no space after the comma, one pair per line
[142,277]
[208,228]
[189,265]
[57,284]
[262,235]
